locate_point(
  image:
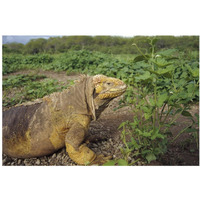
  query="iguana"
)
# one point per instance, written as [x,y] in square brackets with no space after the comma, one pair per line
[60,119]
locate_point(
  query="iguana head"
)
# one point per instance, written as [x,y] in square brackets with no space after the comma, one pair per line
[106,89]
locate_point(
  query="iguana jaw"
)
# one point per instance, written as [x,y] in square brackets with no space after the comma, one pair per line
[113,92]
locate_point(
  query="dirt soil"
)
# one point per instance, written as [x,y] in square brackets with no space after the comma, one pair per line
[105,137]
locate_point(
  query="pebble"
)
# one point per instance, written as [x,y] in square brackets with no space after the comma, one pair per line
[109,147]
[94,145]
[59,156]
[19,161]
[105,153]
[139,163]
[54,155]
[27,162]
[4,161]
[63,157]
[37,162]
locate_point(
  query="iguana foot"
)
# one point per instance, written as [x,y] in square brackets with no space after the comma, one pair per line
[82,156]
[101,159]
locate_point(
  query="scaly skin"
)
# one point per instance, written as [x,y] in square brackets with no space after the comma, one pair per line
[61,119]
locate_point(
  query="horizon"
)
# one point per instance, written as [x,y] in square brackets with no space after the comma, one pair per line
[24,39]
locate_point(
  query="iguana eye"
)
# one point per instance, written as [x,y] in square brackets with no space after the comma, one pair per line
[108,83]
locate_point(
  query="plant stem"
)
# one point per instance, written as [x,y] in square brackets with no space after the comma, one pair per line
[140,51]
[162,111]
[182,131]
[154,114]
[134,162]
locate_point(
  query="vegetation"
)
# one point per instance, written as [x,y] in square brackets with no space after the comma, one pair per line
[104,44]
[21,88]
[160,92]
[162,75]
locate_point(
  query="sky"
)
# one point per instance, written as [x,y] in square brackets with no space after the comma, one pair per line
[21,39]
[25,39]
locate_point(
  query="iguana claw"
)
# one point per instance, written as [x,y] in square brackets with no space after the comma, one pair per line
[100,160]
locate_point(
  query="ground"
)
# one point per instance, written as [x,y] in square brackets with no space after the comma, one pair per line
[105,137]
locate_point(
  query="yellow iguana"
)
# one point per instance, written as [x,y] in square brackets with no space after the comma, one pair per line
[61,119]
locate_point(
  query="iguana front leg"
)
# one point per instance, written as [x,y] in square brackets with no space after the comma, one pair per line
[77,150]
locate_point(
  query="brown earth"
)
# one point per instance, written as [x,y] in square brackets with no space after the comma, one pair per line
[105,136]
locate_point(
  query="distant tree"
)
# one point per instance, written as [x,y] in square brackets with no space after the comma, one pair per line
[53,44]
[36,46]
[105,44]
[13,48]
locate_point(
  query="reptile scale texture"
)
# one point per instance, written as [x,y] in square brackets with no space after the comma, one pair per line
[61,119]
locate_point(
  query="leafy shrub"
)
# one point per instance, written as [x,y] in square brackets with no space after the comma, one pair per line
[16,62]
[160,91]
[38,59]
[20,80]
[27,88]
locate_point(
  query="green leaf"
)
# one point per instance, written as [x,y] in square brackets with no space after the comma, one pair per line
[145,133]
[110,163]
[140,58]
[144,76]
[147,115]
[150,157]
[193,72]
[134,143]
[157,135]
[167,52]
[122,124]
[122,162]
[152,101]
[161,99]
[163,71]
[186,113]
[161,62]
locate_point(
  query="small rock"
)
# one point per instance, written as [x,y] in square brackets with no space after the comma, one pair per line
[7,160]
[19,161]
[37,162]
[94,145]
[4,161]
[139,163]
[27,163]
[59,156]
[63,157]
[54,155]
[105,153]
[98,151]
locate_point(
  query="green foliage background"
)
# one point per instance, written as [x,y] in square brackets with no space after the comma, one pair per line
[161,73]
[104,44]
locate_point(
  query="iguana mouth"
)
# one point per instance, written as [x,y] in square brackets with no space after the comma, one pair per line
[119,90]
[113,92]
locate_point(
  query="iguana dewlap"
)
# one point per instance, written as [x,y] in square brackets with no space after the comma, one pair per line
[61,119]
